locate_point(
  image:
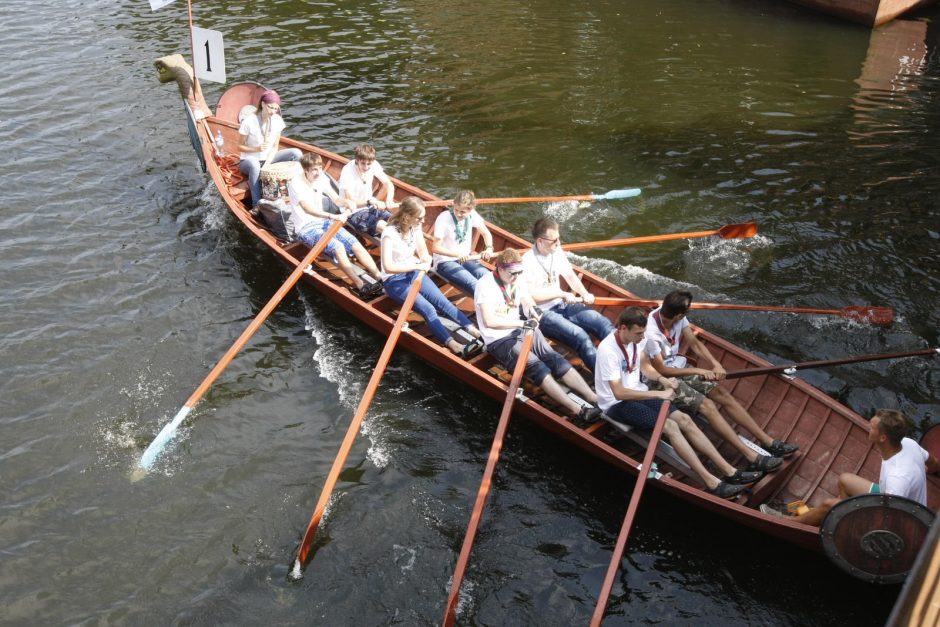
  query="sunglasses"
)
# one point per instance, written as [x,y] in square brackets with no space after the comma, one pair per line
[551,242]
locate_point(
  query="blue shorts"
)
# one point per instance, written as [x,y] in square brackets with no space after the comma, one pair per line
[365,220]
[312,234]
[874,489]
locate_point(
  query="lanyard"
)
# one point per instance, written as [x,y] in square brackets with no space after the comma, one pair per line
[461,227]
[667,334]
[631,363]
[508,295]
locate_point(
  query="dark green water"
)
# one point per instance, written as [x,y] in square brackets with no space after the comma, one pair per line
[125,280]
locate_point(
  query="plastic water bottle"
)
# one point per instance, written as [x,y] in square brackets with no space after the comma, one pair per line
[219,144]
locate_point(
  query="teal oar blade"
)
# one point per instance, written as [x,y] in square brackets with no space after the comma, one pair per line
[617,194]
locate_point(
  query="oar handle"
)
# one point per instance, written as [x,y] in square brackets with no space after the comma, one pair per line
[621,545]
[354,426]
[450,613]
[166,434]
[753,372]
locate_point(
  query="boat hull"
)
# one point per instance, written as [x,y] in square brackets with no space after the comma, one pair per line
[867,12]
[833,438]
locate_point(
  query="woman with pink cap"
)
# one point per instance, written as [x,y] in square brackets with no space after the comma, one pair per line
[258,139]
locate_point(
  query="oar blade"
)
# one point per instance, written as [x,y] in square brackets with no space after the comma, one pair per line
[738,231]
[619,194]
[883,316]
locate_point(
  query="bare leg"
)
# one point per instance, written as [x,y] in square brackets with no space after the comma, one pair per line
[366,261]
[672,433]
[738,414]
[816,515]
[724,430]
[343,262]
[853,485]
[701,443]
[554,391]
[574,381]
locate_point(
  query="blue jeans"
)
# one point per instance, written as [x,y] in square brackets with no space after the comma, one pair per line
[428,303]
[541,362]
[251,168]
[571,324]
[464,275]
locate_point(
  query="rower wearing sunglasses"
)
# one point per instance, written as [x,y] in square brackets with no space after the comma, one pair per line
[504,310]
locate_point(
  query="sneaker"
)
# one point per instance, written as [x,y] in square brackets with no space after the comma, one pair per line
[369,291]
[779,448]
[471,349]
[725,490]
[744,477]
[587,415]
[770,511]
[765,463]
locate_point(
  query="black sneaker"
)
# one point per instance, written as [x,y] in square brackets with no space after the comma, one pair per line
[588,415]
[743,477]
[369,291]
[765,463]
[725,490]
[779,448]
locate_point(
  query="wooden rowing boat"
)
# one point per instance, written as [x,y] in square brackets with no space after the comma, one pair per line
[867,12]
[832,438]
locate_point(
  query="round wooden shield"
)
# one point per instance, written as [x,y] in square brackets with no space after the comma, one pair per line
[930,440]
[876,537]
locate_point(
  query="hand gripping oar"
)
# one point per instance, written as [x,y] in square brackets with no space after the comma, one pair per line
[788,368]
[645,471]
[614,194]
[450,614]
[353,430]
[875,315]
[166,434]
[729,231]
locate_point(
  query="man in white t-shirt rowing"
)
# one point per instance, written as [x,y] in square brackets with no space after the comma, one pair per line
[904,468]
[667,330]
[500,300]
[621,359]
[567,318]
[356,180]
[311,221]
[453,243]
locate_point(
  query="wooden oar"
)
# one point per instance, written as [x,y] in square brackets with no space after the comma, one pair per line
[166,434]
[643,475]
[729,231]
[450,614]
[753,372]
[614,194]
[875,315]
[354,426]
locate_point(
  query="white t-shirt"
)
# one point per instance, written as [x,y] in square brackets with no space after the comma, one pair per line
[487,292]
[611,366]
[904,473]
[252,128]
[358,186]
[300,190]
[402,248]
[544,272]
[660,343]
[445,230]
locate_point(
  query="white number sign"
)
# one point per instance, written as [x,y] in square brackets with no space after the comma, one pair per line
[209,54]
[159,4]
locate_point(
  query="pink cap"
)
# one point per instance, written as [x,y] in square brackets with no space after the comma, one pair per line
[271,97]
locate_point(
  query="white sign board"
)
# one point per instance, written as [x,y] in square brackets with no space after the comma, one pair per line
[209,54]
[159,4]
